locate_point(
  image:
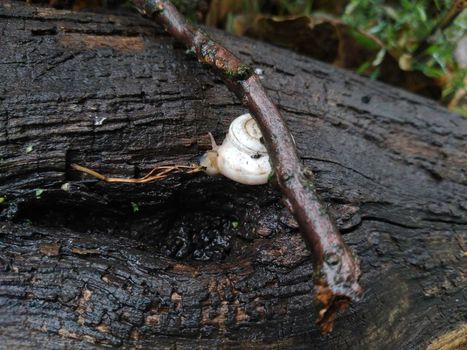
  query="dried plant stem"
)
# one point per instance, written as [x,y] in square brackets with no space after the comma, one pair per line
[156,174]
[336,270]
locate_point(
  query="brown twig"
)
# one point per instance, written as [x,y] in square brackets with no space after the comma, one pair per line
[157,174]
[449,16]
[336,270]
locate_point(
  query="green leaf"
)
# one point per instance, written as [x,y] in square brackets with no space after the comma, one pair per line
[2,200]
[421,13]
[460,110]
[391,12]
[351,7]
[364,40]
[363,67]
[271,175]
[375,74]
[432,71]
[377,28]
[440,60]
[379,57]
[229,22]
[135,207]
[39,192]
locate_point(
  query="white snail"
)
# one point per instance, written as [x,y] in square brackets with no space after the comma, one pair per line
[242,157]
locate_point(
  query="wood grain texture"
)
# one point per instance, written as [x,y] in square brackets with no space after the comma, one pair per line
[206,262]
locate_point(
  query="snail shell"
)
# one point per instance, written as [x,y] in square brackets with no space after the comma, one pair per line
[242,157]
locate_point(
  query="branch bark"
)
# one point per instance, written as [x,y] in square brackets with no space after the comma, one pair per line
[336,269]
[390,165]
[449,16]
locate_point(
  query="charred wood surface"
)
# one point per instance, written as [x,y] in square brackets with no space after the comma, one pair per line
[199,261]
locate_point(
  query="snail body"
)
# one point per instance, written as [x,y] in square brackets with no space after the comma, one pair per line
[242,156]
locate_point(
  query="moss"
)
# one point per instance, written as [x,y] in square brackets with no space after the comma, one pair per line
[188,8]
[134,207]
[271,175]
[38,192]
[190,51]
[229,73]
[208,51]
[309,185]
[153,9]
[322,211]
[288,176]
[243,72]
[308,179]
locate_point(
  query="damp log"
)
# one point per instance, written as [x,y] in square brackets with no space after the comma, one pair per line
[203,262]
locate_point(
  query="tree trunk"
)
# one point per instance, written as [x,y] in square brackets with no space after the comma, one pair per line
[198,261]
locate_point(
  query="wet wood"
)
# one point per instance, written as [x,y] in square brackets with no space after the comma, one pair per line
[336,270]
[186,262]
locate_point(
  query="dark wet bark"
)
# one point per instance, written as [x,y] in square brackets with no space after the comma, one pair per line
[336,270]
[204,261]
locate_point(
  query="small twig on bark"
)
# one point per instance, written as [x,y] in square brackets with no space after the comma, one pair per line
[157,174]
[336,269]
